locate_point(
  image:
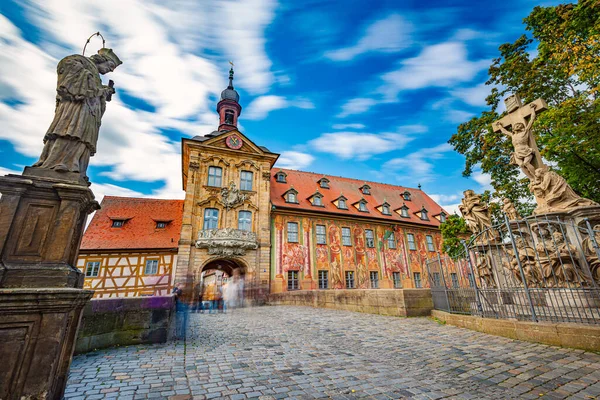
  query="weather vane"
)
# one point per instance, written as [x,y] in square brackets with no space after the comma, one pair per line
[232,65]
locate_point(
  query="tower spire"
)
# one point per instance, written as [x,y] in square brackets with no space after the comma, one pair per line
[229,107]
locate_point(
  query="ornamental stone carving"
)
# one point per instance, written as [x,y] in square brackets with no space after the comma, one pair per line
[227,242]
[231,196]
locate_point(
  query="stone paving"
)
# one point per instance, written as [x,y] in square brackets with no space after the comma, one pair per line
[305,353]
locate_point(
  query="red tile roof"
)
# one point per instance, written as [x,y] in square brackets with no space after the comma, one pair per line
[139,230]
[305,183]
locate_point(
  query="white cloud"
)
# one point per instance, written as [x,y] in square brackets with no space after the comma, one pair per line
[473,96]
[458,116]
[356,106]
[442,64]
[260,107]
[418,165]
[294,160]
[348,126]
[484,179]
[347,145]
[388,35]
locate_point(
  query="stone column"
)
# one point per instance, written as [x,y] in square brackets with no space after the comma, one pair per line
[41,296]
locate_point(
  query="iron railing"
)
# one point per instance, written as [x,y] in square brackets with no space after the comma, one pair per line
[535,269]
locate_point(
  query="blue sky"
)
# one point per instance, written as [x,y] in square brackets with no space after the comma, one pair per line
[363,89]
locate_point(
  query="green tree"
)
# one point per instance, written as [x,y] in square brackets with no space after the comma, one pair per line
[564,71]
[453,230]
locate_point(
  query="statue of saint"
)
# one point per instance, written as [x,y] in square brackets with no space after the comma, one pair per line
[475,212]
[231,196]
[522,140]
[80,103]
[553,193]
[591,254]
[510,210]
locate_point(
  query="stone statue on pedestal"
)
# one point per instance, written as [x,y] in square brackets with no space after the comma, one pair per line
[80,103]
[592,253]
[510,210]
[553,193]
[475,212]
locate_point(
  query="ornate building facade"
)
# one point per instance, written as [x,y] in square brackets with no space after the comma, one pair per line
[287,230]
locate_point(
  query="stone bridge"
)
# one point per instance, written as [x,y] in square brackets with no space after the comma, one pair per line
[306,353]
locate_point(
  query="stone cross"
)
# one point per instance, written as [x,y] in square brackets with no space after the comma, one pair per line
[520,119]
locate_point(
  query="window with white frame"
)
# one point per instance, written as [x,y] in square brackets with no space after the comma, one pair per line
[342,204]
[362,206]
[292,232]
[151,267]
[291,197]
[324,183]
[346,239]
[323,279]
[404,212]
[442,217]
[293,280]
[92,269]
[366,189]
[215,174]
[370,238]
[245,220]
[385,209]
[374,278]
[417,276]
[317,201]
[391,241]
[397,280]
[424,215]
[280,177]
[246,178]
[349,279]
[321,236]
[429,240]
[211,219]
[411,241]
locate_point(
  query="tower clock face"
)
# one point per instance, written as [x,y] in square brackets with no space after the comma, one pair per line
[234,142]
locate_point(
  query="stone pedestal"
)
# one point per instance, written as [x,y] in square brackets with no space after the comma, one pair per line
[41,297]
[277,284]
[308,283]
[386,283]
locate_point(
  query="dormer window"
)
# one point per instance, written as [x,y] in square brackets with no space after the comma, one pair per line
[317,200]
[365,189]
[362,206]
[280,177]
[341,203]
[161,225]
[324,183]
[443,217]
[424,216]
[404,212]
[385,209]
[406,196]
[291,196]
[118,223]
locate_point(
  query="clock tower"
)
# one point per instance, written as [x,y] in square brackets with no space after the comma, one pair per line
[227,210]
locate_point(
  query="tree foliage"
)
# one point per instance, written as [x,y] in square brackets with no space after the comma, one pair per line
[558,62]
[453,230]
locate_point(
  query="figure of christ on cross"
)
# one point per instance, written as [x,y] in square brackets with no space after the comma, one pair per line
[526,154]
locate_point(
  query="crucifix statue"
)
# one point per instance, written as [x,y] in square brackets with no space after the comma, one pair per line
[520,120]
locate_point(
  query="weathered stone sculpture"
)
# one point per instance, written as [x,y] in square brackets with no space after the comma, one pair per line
[592,253]
[475,212]
[231,196]
[43,214]
[485,271]
[80,103]
[558,262]
[510,210]
[553,193]
[526,256]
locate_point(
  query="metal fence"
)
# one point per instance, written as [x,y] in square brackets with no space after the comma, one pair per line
[536,269]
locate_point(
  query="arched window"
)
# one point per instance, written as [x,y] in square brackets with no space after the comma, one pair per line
[280,177]
[406,196]
[291,197]
[229,117]
[317,201]
[342,204]
[362,206]
[404,212]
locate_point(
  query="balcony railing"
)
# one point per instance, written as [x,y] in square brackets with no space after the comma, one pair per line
[227,241]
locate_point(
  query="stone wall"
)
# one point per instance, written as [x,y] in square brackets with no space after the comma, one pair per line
[578,336]
[125,321]
[395,302]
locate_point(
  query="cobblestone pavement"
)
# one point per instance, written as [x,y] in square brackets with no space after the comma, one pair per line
[306,353]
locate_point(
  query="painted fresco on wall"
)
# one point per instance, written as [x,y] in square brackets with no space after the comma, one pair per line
[362,278]
[335,257]
[295,257]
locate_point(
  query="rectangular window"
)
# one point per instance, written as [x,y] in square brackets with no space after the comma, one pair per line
[214,176]
[292,233]
[342,204]
[454,279]
[436,279]
[293,280]
[349,279]
[246,178]
[323,279]
[471,280]
[397,280]
[411,241]
[245,221]
[404,212]
[117,223]
[417,276]
[374,277]
[391,241]
[346,239]
[317,201]
[161,225]
[92,269]
[211,219]
[362,206]
[151,267]
[321,236]
[370,238]
[430,245]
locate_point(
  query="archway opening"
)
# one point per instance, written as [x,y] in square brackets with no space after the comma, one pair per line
[221,285]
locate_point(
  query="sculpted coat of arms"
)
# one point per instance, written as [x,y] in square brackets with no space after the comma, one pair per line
[231,196]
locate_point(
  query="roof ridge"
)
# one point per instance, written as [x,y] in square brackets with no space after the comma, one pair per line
[140,198]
